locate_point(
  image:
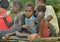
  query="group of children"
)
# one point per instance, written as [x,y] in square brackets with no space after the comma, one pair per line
[31,24]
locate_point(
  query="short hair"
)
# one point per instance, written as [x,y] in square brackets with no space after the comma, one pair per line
[17,3]
[4,4]
[30,4]
[41,8]
[44,1]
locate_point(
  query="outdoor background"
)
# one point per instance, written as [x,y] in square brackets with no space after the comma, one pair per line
[54,3]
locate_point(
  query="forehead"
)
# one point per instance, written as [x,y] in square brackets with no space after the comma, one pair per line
[14,6]
[37,0]
[28,8]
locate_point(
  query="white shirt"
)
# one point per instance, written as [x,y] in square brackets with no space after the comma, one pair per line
[54,21]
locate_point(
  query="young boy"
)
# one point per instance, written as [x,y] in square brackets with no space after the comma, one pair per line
[29,19]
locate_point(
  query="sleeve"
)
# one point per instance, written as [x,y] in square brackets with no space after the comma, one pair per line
[8,18]
[8,21]
[22,19]
[17,22]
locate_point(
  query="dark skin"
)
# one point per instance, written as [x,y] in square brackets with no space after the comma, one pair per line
[43,21]
[49,18]
[41,27]
[42,24]
[29,13]
[9,24]
[15,10]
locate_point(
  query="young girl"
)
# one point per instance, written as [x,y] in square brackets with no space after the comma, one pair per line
[29,19]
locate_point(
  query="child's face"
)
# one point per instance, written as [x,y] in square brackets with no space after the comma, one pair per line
[15,9]
[29,11]
[40,3]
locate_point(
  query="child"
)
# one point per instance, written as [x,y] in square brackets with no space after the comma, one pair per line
[43,25]
[4,16]
[49,11]
[29,18]
[17,21]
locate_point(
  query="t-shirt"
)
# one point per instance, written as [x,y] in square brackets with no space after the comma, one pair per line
[29,22]
[3,26]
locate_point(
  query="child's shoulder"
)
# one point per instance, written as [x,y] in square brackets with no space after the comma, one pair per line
[3,10]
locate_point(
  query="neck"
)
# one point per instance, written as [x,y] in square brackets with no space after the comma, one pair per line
[29,17]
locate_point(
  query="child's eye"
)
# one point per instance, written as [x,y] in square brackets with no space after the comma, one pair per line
[28,10]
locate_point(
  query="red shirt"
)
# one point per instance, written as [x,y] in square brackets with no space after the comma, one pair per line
[3,26]
[45,32]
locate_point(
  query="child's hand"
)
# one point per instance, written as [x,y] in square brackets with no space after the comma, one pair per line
[25,26]
[32,37]
[31,25]
[5,37]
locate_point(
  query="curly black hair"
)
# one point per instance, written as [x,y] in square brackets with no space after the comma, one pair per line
[17,3]
[4,4]
[41,8]
[44,1]
[30,4]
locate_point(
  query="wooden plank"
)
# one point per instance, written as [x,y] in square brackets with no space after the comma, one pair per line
[8,40]
[48,38]
[51,39]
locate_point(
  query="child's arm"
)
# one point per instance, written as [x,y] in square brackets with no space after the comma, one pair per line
[49,18]
[33,37]
[31,25]
[5,37]
[22,34]
[41,26]
[9,24]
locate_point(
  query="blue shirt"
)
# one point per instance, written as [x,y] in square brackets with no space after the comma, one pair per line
[29,21]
